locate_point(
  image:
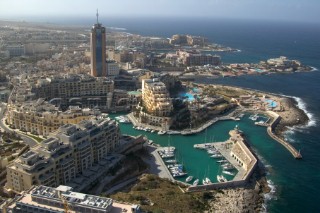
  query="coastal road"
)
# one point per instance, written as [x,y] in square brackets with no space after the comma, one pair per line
[30,141]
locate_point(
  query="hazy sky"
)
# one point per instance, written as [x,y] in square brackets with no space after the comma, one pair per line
[297,10]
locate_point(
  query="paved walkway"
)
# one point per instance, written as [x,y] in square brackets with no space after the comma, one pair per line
[156,164]
[225,151]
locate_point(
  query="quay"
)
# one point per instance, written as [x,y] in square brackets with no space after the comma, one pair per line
[135,122]
[236,151]
[296,154]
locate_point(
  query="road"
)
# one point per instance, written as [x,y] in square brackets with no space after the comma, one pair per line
[30,141]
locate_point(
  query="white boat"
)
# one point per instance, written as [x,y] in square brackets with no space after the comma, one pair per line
[228,173]
[216,156]
[221,179]
[222,161]
[195,183]
[171,161]
[212,151]
[189,178]
[208,181]
[228,167]
[161,132]
[167,155]
[204,182]
[254,117]
[179,174]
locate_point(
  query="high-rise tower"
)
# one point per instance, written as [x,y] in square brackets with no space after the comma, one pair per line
[98,50]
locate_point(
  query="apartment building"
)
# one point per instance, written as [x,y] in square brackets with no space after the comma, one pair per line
[68,152]
[41,117]
[63,199]
[76,89]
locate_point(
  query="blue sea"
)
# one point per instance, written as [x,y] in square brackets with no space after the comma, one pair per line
[295,183]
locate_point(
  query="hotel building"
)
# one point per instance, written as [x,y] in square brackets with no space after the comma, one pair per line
[67,153]
[156,103]
[98,50]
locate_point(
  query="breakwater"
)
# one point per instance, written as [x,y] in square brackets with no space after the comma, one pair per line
[296,154]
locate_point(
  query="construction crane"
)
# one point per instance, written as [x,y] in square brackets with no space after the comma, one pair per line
[65,204]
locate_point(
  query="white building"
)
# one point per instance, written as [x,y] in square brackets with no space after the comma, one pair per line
[112,68]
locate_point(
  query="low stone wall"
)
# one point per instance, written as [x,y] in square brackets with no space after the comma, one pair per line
[287,145]
[214,186]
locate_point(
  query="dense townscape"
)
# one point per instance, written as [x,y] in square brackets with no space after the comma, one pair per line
[62,151]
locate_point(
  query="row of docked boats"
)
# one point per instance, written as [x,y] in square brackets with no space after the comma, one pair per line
[167,152]
[177,170]
[144,129]
[123,119]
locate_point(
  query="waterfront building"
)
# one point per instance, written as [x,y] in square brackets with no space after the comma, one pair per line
[40,117]
[64,199]
[156,104]
[240,152]
[188,40]
[98,50]
[197,59]
[69,152]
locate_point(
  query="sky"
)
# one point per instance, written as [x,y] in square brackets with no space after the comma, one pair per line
[282,10]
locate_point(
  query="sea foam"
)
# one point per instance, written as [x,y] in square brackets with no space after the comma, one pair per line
[303,106]
[269,196]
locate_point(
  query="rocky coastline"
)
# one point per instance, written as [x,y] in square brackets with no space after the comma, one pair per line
[250,198]
[292,116]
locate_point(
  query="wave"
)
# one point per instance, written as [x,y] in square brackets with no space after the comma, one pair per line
[303,106]
[269,196]
[314,69]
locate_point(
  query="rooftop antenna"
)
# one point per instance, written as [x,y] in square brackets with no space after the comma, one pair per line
[97,17]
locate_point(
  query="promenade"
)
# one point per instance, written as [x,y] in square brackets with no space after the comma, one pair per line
[135,122]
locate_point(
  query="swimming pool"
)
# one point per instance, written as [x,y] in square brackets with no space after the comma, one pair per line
[187,96]
[271,103]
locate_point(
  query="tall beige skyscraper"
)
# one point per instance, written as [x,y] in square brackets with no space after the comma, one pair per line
[98,50]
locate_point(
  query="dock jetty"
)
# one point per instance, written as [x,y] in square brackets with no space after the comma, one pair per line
[237,153]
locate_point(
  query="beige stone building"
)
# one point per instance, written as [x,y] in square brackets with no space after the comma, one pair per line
[156,104]
[40,117]
[68,152]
